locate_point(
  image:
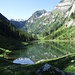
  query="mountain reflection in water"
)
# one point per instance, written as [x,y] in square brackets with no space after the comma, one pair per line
[47,50]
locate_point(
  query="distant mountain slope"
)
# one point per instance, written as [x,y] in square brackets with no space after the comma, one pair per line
[54,22]
[18,24]
[48,21]
[57,24]
[67,30]
[23,25]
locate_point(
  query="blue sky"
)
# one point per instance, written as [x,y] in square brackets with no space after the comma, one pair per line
[14,9]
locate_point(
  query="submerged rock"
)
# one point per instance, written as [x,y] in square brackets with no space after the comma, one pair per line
[23,61]
[50,70]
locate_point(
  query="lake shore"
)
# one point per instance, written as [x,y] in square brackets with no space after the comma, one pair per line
[65,61]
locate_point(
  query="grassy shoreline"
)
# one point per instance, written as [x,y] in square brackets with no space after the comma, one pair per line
[65,63]
[54,40]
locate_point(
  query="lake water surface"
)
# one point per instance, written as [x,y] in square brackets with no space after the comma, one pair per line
[47,50]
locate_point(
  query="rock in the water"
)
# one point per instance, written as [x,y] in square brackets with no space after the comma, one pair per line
[50,70]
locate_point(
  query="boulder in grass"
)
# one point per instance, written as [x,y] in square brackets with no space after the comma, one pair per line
[50,70]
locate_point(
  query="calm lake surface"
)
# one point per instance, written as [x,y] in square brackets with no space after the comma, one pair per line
[47,50]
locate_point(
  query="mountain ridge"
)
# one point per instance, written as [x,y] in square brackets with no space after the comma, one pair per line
[45,21]
[49,23]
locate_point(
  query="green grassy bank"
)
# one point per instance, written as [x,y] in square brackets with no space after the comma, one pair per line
[66,63]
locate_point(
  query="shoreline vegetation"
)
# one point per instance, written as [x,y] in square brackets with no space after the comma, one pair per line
[42,39]
[8,68]
[67,61]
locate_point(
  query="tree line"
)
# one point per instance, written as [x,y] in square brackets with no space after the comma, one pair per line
[7,29]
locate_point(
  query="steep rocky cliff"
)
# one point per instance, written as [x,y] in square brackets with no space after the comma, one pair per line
[49,21]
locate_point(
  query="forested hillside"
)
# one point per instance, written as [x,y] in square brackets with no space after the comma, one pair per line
[10,35]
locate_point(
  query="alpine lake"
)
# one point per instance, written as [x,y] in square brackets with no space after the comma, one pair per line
[37,51]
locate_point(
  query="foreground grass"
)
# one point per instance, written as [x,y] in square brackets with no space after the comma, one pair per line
[65,63]
[3,52]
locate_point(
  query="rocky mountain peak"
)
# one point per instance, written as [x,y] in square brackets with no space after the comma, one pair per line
[64,5]
[36,14]
[42,21]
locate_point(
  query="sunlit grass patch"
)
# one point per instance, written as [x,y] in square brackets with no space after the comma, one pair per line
[70,68]
[24,43]
[3,52]
[1,55]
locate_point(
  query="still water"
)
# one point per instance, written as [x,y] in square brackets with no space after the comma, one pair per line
[47,50]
